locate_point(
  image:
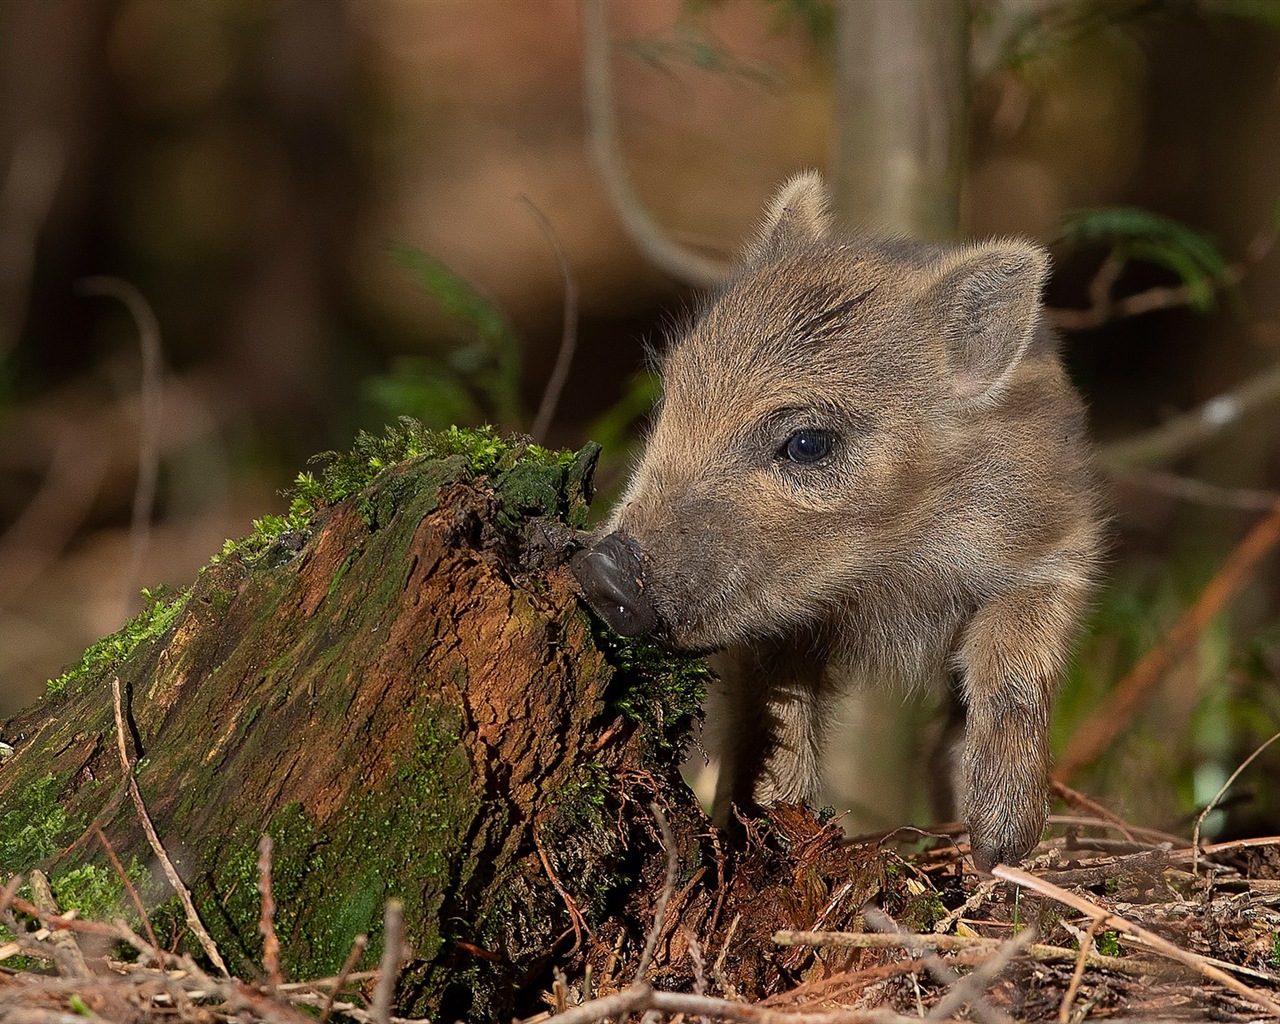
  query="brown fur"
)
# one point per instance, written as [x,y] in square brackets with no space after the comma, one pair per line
[951,533]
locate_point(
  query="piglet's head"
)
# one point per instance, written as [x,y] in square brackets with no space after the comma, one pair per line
[807,428]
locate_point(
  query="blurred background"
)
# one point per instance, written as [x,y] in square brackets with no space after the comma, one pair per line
[326,204]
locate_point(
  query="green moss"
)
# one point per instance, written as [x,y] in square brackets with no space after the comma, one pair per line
[160,612]
[922,911]
[1109,944]
[654,687]
[35,827]
[340,891]
[529,479]
[97,892]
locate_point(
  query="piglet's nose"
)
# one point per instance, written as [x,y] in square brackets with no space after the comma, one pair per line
[612,578]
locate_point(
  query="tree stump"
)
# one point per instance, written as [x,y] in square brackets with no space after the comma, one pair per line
[405,693]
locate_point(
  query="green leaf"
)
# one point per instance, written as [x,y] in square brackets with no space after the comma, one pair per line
[493,356]
[1140,235]
[1265,11]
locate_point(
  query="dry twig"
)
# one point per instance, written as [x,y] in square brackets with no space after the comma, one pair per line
[568,337]
[602,129]
[1148,938]
[941,972]
[1195,834]
[184,894]
[950,943]
[668,887]
[267,915]
[127,882]
[392,958]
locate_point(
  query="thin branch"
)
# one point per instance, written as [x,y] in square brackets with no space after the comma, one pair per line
[569,335]
[392,957]
[1183,434]
[952,943]
[184,894]
[1148,938]
[1104,307]
[1098,732]
[941,972]
[660,911]
[130,888]
[353,957]
[969,989]
[267,916]
[1195,834]
[640,998]
[1086,947]
[42,896]
[144,495]
[1186,488]
[602,130]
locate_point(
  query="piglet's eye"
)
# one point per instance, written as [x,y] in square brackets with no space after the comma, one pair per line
[808,446]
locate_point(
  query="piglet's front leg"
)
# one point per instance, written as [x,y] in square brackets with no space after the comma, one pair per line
[1012,658]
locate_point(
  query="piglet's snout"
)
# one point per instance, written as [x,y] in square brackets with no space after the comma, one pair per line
[612,577]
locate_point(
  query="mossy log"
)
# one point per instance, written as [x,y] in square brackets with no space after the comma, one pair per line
[399,685]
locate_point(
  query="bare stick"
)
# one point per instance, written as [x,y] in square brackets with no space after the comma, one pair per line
[640,998]
[74,965]
[969,989]
[569,335]
[660,911]
[184,895]
[941,972]
[1086,947]
[1188,489]
[129,887]
[1104,308]
[949,943]
[602,130]
[1195,833]
[392,957]
[1082,802]
[1148,938]
[144,495]
[267,917]
[344,975]
[1185,433]
[1098,732]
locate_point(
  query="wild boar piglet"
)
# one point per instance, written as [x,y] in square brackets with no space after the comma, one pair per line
[868,464]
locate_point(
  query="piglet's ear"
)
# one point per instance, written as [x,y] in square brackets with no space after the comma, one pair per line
[797,215]
[987,298]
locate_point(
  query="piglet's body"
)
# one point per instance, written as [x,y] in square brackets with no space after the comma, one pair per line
[867,462]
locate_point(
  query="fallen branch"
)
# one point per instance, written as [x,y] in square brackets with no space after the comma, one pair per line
[1195,834]
[955,943]
[1182,434]
[1148,938]
[1121,705]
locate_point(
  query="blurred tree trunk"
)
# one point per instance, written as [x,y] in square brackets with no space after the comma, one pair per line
[902,85]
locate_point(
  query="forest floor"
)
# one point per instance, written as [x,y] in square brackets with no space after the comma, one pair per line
[1105,921]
